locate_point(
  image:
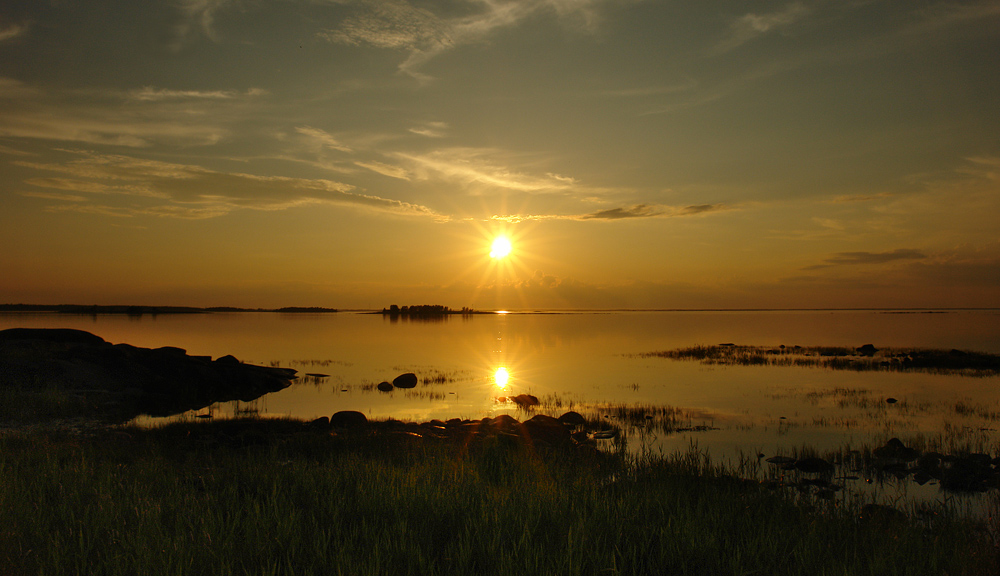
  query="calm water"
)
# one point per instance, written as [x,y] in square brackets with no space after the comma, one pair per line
[588,361]
[583,361]
[578,359]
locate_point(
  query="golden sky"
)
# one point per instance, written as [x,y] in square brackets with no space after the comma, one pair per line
[638,154]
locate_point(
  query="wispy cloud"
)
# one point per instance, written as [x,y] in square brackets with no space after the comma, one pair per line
[396,24]
[430,129]
[150,93]
[751,26]
[945,14]
[480,169]
[190,191]
[322,138]
[12,31]
[55,196]
[385,169]
[867,258]
[135,118]
[196,15]
[92,187]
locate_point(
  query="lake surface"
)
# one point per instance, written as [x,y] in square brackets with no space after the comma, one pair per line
[590,361]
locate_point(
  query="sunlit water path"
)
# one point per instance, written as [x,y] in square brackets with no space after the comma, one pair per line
[590,362]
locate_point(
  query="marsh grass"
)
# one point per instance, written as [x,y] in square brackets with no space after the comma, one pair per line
[966,363]
[275,497]
[20,403]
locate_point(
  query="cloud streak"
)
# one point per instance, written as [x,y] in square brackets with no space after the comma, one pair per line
[12,32]
[752,26]
[637,211]
[189,191]
[480,170]
[395,24]
[135,119]
[869,258]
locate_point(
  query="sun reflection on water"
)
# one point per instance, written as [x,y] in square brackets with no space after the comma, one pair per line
[501,377]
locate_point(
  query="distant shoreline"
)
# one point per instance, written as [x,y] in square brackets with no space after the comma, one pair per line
[131,310]
[152,310]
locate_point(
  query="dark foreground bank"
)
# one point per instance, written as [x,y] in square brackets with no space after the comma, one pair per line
[287,497]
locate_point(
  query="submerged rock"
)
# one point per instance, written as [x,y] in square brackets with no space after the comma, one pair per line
[814,466]
[894,449]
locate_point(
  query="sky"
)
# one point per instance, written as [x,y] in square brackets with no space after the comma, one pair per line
[636,153]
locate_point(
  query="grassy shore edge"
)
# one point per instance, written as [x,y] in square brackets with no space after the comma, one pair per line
[274,497]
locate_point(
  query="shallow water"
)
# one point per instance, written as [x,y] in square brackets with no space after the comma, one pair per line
[586,360]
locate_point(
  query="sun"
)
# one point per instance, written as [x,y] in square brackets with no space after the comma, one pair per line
[501,247]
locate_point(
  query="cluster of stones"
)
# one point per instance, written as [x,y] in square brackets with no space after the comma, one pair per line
[809,465]
[408,380]
[971,472]
[967,472]
[569,431]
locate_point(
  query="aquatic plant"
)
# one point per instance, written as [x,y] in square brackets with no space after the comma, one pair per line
[864,358]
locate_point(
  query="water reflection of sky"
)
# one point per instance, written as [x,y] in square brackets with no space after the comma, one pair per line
[579,361]
[468,366]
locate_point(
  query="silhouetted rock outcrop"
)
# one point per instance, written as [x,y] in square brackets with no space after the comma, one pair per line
[120,381]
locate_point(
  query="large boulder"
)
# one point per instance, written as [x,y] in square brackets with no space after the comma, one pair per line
[408,380]
[349,419]
[547,430]
[573,418]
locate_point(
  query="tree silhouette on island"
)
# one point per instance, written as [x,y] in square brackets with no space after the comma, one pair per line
[426,310]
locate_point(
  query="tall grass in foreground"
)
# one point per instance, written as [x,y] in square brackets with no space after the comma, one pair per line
[207,499]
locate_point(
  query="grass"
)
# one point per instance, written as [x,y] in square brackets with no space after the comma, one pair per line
[277,497]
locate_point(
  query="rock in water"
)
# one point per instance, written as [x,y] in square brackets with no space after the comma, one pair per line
[408,380]
[385,387]
[547,429]
[574,418]
[867,350]
[524,400]
[894,449]
[814,466]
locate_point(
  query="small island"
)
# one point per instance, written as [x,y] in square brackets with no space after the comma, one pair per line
[426,311]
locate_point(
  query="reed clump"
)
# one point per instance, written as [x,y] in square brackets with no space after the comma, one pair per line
[861,359]
[280,497]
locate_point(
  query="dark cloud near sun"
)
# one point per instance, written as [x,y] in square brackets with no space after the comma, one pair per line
[863,258]
[637,211]
[650,211]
